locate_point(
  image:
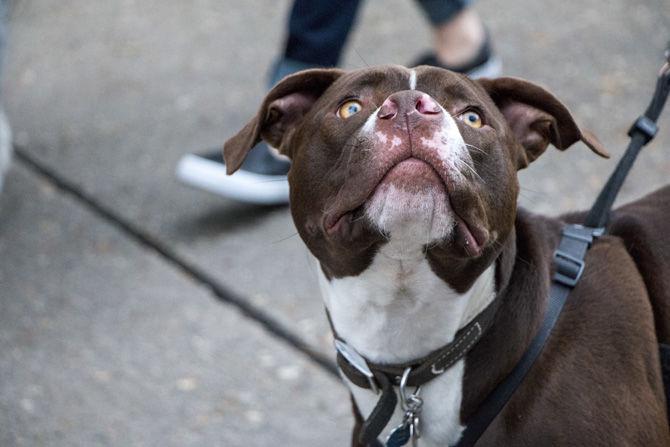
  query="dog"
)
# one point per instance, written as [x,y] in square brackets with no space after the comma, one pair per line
[404,187]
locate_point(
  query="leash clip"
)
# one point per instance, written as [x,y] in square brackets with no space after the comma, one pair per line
[409,402]
[409,429]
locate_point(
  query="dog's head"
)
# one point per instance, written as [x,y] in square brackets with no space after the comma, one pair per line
[426,154]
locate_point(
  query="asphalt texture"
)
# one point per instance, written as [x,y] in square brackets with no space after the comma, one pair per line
[136,311]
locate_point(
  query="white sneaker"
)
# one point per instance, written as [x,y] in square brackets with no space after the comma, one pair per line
[261,180]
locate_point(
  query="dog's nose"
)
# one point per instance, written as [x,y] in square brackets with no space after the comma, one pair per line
[406,102]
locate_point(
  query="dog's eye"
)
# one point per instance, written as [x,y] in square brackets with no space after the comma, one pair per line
[349,108]
[471,118]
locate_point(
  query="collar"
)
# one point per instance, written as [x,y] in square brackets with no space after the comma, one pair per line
[381,378]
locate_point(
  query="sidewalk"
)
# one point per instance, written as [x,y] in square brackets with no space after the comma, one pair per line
[135,311]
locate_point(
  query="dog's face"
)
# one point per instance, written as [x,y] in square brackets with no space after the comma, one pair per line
[425,153]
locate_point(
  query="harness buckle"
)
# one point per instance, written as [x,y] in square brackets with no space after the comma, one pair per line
[645,126]
[568,268]
[569,257]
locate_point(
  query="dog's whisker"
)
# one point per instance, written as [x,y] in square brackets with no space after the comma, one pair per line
[530,198]
[361,57]
[534,191]
[472,146]
[472,170]
[285,238]
[359,218]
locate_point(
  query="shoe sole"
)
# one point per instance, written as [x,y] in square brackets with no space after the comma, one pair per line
[243,186]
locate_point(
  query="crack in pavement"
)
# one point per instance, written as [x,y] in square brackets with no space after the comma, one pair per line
[146,239]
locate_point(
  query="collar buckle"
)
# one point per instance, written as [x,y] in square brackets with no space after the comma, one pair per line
[357,361]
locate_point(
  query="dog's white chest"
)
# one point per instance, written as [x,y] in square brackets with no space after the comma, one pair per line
[398,310]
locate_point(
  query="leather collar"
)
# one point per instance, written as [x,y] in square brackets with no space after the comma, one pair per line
[383,377]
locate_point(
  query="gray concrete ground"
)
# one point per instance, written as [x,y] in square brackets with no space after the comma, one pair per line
[105,342]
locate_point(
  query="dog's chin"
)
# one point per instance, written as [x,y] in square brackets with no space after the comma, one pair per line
[411,205]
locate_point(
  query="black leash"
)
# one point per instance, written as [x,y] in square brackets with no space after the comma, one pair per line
[569,260]
[643,131]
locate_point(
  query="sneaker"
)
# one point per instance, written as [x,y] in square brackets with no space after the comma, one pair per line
[261,179]
[484,65]
[5,146]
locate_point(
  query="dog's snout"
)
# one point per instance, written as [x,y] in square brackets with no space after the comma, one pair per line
[427,105]
[407,102]
[388,110]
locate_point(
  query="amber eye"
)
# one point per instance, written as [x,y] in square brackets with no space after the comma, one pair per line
[349,108]
[471,118]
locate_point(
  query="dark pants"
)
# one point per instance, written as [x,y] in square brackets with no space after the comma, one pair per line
[318,30]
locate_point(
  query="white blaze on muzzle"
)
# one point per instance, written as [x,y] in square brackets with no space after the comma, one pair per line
[418,216]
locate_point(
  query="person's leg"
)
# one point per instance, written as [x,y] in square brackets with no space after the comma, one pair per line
[460,38]
[317,32]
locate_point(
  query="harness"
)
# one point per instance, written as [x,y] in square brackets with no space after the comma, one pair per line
[569,265]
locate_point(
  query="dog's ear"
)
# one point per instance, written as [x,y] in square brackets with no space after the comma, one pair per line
[281,112]
[537,118]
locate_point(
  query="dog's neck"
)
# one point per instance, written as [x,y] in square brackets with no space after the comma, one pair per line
[524,272]
[398,309]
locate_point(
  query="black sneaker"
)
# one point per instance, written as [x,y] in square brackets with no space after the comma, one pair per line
[260,180]
[484,65]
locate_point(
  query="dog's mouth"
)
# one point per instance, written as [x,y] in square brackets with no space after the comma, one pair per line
[425,183]
[347,224]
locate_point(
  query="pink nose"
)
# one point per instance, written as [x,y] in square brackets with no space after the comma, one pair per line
[428,106]
[406,102]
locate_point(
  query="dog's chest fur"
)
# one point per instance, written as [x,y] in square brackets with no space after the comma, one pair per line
[399,310]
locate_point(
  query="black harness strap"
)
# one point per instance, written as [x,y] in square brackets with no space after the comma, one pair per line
[642,132]
[569,262]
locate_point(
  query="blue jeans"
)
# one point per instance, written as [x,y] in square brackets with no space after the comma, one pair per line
[318,30]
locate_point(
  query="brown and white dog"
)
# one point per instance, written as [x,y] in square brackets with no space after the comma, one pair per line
[404,187]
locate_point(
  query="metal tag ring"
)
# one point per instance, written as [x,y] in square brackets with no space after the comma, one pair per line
[412,402]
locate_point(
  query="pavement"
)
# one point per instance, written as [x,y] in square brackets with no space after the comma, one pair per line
[137,312]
